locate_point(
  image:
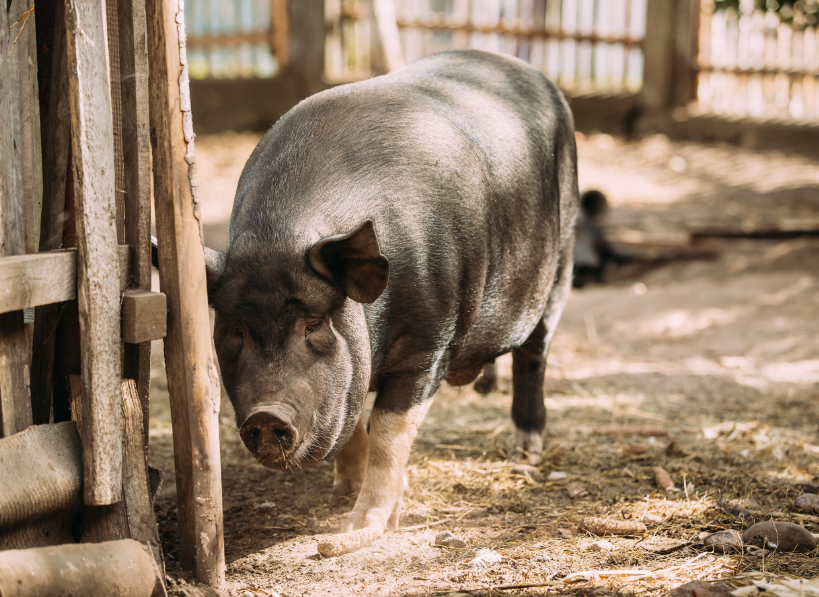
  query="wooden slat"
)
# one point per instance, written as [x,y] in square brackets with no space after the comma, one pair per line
[193,382]
[56,139]
[112,25]
[281,32]
[144,316]
[40,279]
[658,49]
[16,177]
[92,144]
[135,488]
[136,149]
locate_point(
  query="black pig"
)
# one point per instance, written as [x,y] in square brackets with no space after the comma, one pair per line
[391,234]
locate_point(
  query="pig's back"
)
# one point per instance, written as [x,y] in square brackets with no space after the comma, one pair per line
[457,159]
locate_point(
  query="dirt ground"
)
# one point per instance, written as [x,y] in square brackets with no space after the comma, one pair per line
[710,366]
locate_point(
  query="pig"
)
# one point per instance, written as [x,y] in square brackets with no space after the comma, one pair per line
[388,235]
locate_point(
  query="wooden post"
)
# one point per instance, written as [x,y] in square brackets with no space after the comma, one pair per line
[193,382]
[16,179]
[56,140]
[98,273]
[686,50]
[658,52]
[386,54]
[136,150]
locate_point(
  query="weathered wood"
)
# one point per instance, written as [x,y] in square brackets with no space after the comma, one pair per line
[658,49]
[386,54]
[112,25]
[135,487]
[281,32]
[144,316]
[56,135]
[16,177]
[193,382]
[99,523]
[40,279]
[122,568]
[686,48]
[98,288]
[136,149]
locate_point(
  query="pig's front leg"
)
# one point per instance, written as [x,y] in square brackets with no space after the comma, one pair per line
[351,465]
[392,431]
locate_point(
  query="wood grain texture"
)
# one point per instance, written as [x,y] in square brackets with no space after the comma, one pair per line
[144,316]
[39,279]
[193,382]
[136,149]
[92,143]
[112,26]
[16,177]
[135,487]
[56,135]
[281,32]
[658,49]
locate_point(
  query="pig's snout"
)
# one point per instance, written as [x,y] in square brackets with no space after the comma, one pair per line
[269,435]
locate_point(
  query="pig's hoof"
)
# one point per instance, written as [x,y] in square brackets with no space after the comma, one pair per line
[484,385]
[528,446]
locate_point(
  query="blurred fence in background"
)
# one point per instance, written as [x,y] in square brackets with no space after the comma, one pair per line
[722,69]
[754,62]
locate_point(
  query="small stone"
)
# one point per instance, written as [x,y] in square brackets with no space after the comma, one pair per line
[724,541]
[247,594]
[651,517]
[556,476]
[698,588]
[632,450]
[447,539]
[808,503]
[565,533]
[266,506]
[528,470]
[602,545]
[782,536]
[576,490]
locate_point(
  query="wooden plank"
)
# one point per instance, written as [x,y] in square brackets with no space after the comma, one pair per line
[687,33]
[144,316]
[32,280]
[112,25]
[135,488]
[15,179]
[92,144]
[193,382]
[136,149]
[56,136]
[280,28]
[658,52]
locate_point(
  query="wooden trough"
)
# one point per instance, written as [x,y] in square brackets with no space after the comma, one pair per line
[87,132]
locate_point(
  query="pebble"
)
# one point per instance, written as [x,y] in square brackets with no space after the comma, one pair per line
[602,545]
[527,469]
[247,594]
[650,517]
[724,541]
[808,503]
[783,536]
[576,490]
[447,539]
[266,506]
[556,476]
[565,533]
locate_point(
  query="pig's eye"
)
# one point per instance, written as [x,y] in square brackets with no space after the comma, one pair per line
[237,331]
[311,327]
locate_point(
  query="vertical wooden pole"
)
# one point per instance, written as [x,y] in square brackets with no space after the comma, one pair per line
[16,178]
[136,150]
[386,54]
[98,291]
[658,52]
[193,382]
[56,139]
[281,32]
[687,34]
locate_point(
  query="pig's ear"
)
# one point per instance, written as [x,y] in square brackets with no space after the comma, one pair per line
[214,267]
[354,260]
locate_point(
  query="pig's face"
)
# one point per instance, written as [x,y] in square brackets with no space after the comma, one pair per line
[292,341]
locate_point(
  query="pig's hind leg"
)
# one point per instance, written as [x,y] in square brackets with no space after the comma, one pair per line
[529,369]
[350,466]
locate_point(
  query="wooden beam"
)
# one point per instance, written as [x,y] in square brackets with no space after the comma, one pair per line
[136,150]
[92,144]
[16,178]
[56,136]
[280,28]
[40,279]
[658,52]
[193,382]
[144,316]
